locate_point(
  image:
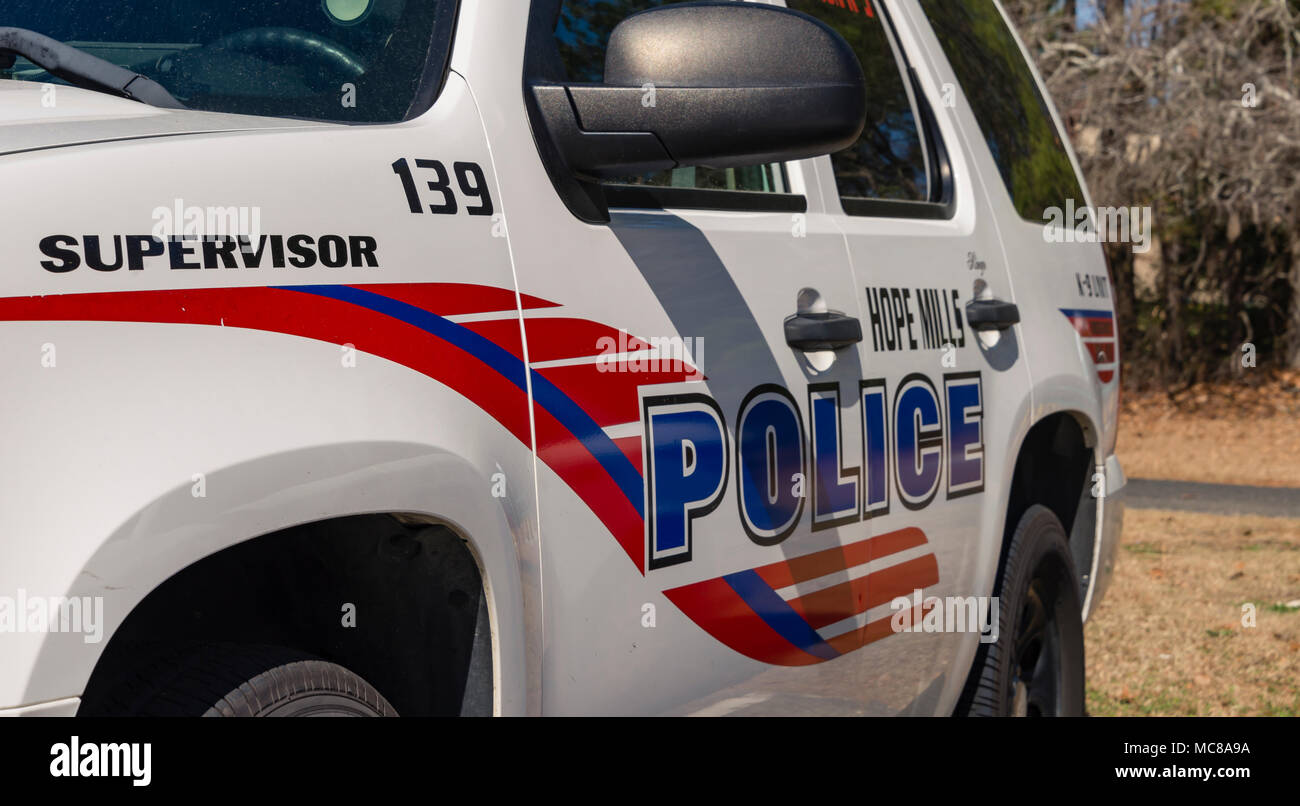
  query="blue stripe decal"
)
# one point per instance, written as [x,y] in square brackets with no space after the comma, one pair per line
[1087,314]
[548,395]
[778,614]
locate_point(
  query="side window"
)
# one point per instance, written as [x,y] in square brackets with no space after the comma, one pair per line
[889,161]
[1004,97]
[582,33]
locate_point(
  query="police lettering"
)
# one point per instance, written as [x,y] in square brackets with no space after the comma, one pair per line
[914,319]
[66,253]
[850,456]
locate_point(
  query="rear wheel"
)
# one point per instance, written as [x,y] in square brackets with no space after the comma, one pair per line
[1036,665]
[236,680]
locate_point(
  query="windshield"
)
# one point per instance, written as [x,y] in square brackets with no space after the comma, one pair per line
[364,61]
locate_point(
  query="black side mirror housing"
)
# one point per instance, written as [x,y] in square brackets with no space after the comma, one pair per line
[717,85]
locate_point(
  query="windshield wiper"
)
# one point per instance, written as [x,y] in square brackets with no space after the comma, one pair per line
[82,69]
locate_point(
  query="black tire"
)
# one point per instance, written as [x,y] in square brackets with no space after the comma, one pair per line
[1036,666]
[236,680]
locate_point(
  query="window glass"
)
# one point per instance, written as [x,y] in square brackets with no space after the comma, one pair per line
[582,34]
[1004,97]
[888,161]
[291,58]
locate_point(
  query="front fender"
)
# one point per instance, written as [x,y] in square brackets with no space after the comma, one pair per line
[168,443]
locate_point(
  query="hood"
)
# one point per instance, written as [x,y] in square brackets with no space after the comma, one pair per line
[39,116]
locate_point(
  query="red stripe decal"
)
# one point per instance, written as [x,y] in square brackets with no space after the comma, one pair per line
[452,299]
[609,397]
[869,632]
[574,464]
[846,599]
[811,566]
[718,610]
[631,448]
[1102,352]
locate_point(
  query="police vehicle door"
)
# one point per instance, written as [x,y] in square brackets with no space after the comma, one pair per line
[942,402]
[671,411]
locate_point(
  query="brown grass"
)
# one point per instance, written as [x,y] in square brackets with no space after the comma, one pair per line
[1169,637]
[1232,433]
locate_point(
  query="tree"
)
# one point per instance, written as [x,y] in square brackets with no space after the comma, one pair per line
[1190,107]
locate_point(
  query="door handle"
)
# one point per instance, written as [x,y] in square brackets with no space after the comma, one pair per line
[991,314]
[822,331]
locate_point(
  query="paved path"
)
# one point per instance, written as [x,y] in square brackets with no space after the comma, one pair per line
[1218,499]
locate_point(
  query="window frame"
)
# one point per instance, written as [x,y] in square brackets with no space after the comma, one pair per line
[1045,109]
[434,78]
[942,190]
[658,197]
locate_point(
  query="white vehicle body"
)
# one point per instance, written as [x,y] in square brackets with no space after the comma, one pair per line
[451,370]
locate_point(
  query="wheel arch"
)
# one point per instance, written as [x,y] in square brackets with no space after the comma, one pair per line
[1055,463]
[249,507]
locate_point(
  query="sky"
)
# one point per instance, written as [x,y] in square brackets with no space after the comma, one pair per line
[1085,13]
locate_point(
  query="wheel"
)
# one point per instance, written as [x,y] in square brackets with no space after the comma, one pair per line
[236,680]
[1036,665]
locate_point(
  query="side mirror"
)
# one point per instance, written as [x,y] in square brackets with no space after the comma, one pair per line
[717,85]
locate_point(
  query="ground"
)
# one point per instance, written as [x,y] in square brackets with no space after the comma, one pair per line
[1172,636]
[1169,638]
[1232,433]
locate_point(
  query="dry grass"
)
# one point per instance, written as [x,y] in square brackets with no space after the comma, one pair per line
[1169,637]
[1233,433]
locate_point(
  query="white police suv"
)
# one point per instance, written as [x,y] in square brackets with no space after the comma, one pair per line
[552,357]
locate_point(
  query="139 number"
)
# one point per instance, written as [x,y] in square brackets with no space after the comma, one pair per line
[469,178]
